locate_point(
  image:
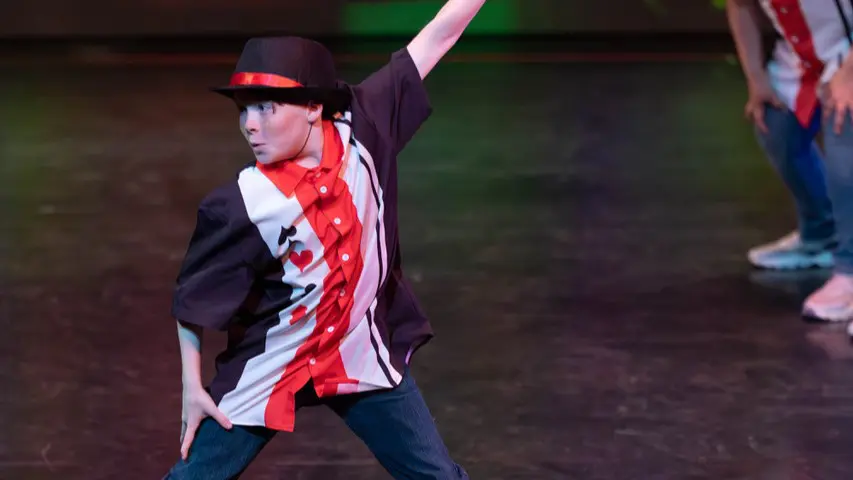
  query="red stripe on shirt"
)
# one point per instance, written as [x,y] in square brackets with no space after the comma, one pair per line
[329,209]
[795,28]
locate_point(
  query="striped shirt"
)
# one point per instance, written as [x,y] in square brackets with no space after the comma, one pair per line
[302,266]
[812,47]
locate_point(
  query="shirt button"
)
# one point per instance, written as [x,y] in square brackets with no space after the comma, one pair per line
[343,293]
[330,329]
[345,257]
[795,39]
[783,10]
[337,221]
[323,189]
[317,174]
[313,361]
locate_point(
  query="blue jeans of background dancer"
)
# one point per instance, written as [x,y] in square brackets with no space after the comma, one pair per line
[821,183]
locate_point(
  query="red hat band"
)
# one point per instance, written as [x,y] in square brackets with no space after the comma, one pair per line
[262,80]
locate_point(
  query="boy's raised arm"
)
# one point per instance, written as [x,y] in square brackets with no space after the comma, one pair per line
[440,34]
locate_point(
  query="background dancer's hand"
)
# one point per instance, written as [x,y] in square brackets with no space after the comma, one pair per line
[761,94]
[838,101]
[196,406]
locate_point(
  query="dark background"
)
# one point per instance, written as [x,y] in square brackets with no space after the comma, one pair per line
[575,226]
[66,18]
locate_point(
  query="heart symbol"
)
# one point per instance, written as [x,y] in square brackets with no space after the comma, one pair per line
[285,234]
[301,259]
[298,313]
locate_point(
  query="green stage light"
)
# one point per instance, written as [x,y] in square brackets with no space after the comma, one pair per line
[407,17]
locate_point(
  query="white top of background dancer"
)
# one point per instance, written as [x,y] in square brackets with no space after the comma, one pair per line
[814,44]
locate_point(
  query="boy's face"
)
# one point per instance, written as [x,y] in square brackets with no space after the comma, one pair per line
[275,131]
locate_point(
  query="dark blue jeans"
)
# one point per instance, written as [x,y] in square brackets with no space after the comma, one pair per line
[396,426]
[820,182]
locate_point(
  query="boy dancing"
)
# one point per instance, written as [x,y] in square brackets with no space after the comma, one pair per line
[299,261]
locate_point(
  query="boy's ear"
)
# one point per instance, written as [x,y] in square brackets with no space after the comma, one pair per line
[314,111]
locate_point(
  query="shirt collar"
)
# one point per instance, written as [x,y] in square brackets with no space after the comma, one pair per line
[287,175]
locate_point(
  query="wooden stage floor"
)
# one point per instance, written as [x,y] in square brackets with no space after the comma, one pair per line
[576,231]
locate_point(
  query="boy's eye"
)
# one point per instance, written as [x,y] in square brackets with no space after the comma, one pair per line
[263,107]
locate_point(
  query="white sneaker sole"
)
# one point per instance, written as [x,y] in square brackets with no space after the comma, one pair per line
[823,260]
[830,315]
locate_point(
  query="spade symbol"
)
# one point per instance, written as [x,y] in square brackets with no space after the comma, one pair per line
[285,234]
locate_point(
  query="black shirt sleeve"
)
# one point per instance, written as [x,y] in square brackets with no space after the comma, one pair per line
[217,272]
[395,99]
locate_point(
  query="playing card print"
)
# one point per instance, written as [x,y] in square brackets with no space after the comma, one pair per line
[293,251]
[285,238]
[301,259]
[298,314]
[295,256]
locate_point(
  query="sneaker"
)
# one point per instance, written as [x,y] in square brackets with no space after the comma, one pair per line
[833,302]
[790,253]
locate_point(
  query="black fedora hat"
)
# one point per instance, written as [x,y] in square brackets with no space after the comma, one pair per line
[289,69]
